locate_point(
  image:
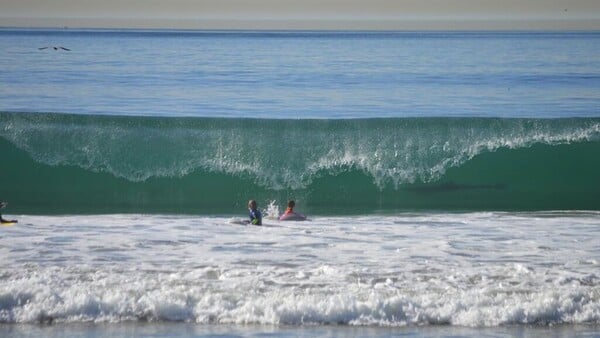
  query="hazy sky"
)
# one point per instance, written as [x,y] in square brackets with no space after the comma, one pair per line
[304,14]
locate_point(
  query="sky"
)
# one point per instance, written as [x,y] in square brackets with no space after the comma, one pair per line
[305,14]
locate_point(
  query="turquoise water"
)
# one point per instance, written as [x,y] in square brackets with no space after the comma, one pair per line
[89,163]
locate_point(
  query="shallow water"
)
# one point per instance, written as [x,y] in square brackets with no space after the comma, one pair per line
[474,270]
[194,330]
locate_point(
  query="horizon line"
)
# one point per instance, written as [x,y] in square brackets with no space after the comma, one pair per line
[470,24]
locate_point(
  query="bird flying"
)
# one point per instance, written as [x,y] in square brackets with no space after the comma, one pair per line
[55,48]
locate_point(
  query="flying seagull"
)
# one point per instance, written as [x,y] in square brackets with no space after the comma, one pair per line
[55,48]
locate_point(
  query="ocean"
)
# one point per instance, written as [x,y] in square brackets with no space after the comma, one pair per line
[450,180]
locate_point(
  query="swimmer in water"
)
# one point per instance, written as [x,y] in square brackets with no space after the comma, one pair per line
[254,213]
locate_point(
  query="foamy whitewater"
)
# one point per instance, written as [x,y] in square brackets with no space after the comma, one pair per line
[474,269]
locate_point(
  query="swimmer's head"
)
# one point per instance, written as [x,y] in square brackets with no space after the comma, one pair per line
[252,204]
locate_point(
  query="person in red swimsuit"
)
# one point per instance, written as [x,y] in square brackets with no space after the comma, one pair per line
[290,214]
[290,207]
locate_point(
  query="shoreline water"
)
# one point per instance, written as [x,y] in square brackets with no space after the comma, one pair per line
[474,269]
[194,330]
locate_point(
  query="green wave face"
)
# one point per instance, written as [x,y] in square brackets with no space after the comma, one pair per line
[56,163]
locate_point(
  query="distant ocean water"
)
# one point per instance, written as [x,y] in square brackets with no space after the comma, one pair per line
[289,75]
[451,179]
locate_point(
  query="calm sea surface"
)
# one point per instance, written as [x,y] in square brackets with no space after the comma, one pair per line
[301,74]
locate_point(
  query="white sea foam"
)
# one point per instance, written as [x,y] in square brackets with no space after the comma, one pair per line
[478,269]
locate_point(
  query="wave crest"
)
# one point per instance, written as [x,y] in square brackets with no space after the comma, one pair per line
[279,154]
